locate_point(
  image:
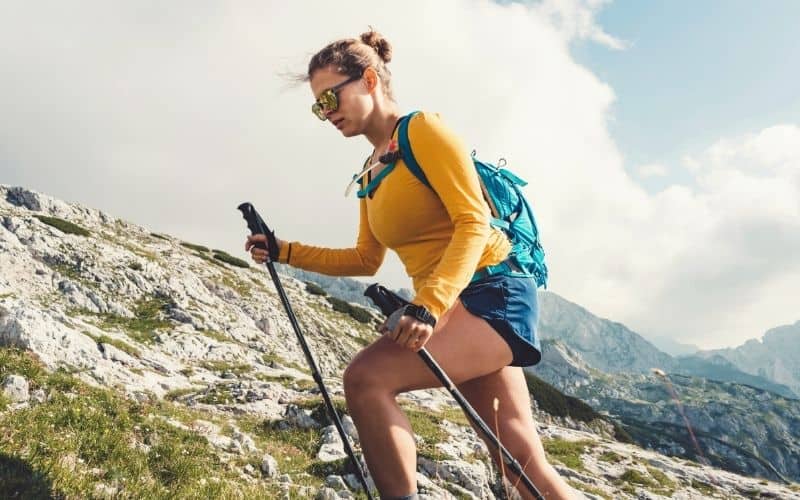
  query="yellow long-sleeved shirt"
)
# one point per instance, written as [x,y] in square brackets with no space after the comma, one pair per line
[442,236]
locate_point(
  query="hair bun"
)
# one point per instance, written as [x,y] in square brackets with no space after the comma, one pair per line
[379,43]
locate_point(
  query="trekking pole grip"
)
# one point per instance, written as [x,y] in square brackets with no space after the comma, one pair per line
[257,226]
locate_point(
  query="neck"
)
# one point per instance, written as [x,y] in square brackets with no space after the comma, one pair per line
[381,126]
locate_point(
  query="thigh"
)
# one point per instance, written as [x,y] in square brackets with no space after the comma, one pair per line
[463,345]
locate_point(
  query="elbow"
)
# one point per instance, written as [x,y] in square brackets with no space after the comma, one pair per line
[371,262]
[371,267]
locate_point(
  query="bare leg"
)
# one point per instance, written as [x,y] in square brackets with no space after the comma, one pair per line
[515,428]
[464,345]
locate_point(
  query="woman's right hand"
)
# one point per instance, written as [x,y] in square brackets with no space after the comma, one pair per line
[259,254]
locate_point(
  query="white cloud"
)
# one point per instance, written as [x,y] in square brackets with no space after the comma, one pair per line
[575,18]
[652,170]
[170,115]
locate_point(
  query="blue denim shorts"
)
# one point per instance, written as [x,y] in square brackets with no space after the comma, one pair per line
[510,305]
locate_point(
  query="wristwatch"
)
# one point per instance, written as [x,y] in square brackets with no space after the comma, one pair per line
[413,310]
[420,313]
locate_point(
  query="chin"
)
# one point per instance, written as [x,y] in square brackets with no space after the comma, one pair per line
[347,132]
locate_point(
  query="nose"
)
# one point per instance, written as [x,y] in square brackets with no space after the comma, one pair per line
[328,113]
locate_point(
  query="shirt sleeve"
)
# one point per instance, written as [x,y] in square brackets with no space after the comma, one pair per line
[452,175]
[363,260]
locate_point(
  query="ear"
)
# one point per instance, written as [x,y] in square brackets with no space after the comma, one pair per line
[371,79]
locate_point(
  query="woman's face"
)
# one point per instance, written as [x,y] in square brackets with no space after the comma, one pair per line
[354,101]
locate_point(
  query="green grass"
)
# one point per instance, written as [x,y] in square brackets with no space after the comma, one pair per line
[589,489]
[666,486]
[295,450]
[242,288]
[178,393]
[288,381]
[567,452]
[159,236]
[119,344]
[49,449]
[455,415]
[73,272]
[217,395]
[218,336]
[147,321]
[135,266]
[270,358]
[220,367]
[703,487]
[427,424]
[63,225]
[654,480]
[8,295]
[610,456]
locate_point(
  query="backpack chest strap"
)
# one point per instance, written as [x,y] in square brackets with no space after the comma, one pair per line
[377,180]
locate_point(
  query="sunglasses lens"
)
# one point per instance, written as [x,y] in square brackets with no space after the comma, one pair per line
[329,100]
[317,110]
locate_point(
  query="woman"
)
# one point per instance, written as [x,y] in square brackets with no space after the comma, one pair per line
[480,330]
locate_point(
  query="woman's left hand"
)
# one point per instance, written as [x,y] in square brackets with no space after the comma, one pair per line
[410,333]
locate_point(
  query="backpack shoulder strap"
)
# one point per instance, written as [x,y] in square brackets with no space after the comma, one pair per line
[406,151]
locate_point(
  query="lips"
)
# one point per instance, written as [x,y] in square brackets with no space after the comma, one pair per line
[338,122]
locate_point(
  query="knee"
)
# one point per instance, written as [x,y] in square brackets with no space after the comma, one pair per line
[360,379]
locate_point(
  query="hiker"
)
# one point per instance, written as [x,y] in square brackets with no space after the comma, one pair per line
[481,330]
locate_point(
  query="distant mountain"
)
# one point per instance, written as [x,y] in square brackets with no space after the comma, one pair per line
[673,348]
[717,367]
[775,357]
[606,345]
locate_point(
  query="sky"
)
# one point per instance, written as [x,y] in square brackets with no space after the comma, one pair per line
[661,140]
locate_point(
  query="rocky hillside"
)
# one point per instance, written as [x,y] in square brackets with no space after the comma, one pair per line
[776,356]
[737,427]
[137,365]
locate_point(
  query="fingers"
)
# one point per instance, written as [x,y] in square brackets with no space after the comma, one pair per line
[253,239]
[410,333]
[257,254]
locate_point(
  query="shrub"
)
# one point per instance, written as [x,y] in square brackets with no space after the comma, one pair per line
[557,404]
[315,289]
[229,259]
[339,305]
[62,225]
[360,314]
[196,248]
[135,266]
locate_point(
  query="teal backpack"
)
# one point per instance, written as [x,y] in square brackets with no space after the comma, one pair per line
[511,212]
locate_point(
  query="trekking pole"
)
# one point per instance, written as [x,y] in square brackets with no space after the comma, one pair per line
[388,302]
[257,226]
